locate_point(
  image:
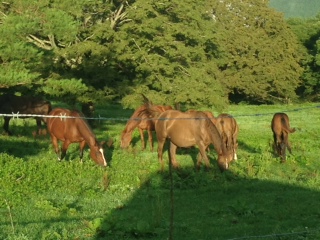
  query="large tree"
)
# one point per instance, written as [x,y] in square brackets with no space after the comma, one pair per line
[261,62]
[52,47]
[193,52]
[308,33]
[205,52]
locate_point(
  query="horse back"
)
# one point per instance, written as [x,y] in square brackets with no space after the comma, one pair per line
[65,124]
[10,103]
[280,123]
[227,124]
[183,127]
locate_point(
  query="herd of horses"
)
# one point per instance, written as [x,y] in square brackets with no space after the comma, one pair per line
[181,129]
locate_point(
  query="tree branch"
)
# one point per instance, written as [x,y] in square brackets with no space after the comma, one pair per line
[40,43]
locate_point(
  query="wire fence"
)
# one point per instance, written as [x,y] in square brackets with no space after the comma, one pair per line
[18,115]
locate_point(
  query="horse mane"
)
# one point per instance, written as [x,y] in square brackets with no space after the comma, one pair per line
[217,139]
[150,109]
[80,119]
[135,118]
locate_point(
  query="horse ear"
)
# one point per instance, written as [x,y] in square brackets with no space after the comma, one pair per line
[146,100]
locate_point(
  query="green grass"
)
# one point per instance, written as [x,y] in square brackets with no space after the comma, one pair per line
[41,198]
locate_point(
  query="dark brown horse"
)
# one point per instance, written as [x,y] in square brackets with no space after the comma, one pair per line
[10,104]
[142,120]
[73,130]
[281,128]
[229,130]
[187,129]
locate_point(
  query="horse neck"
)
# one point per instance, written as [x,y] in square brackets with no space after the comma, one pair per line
[215,137]
[134,120]
[86,132]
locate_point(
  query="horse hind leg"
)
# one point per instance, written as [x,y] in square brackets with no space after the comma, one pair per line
[275,144]
[286,140]
[64,149]
[283,155]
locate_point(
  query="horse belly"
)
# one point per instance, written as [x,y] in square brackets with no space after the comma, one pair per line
[181,134]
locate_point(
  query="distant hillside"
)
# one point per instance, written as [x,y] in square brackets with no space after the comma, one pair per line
[297,8]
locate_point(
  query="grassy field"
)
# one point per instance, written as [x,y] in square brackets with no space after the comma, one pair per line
[258,198]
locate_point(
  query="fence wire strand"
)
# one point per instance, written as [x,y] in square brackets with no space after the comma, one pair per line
[122,119]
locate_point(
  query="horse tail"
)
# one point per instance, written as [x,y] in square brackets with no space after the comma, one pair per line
[286,126]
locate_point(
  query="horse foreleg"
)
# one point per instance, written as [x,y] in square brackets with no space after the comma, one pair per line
[82,145]
[173,150]
[150,138]
[143,143]
[203,155]
[56,147]
[235,147]
[160,152]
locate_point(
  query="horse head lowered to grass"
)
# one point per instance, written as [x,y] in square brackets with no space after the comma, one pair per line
[10,104]
[187,129]
[141,119]
[281,128]
[229,130]
[70,127]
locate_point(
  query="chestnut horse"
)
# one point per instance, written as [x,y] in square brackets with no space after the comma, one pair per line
[281,128]
[229,130]
[187,129]
[10,103]
[73,130]
[140,119]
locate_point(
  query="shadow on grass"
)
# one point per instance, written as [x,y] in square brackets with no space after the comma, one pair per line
[250,149]
[214,205]
[22,147]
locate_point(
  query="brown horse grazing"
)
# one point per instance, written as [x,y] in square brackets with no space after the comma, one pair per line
[72,130]
[187,129]
[10,103]
[229,130]
[281,128]
[142,120]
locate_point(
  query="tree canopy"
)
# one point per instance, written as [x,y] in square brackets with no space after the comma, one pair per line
[198,53]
